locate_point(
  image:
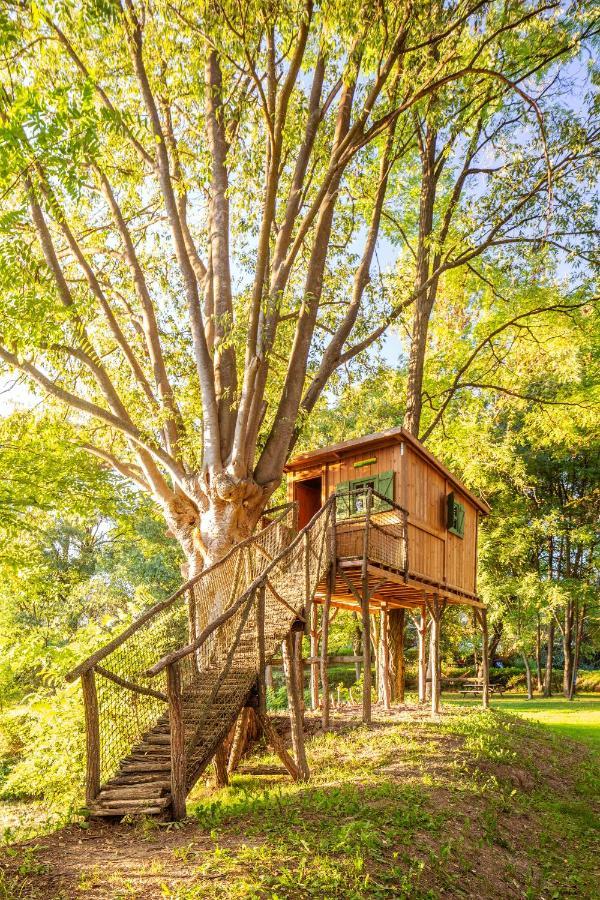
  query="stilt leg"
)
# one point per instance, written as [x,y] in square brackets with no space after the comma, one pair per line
[324,652]
[422,633]
[295,709]
[314,652]
[385,659]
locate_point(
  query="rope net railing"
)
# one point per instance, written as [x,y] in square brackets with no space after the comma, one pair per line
[217,670]
[387,534]
[129,702]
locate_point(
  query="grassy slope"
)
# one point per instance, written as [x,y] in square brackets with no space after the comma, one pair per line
[474,805]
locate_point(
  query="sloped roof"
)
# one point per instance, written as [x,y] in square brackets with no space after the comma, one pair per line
[380,439]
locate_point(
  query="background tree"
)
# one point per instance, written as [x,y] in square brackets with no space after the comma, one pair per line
[185,187]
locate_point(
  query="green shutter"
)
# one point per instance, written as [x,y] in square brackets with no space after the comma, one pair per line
[342,503]
[384,484]
[456,516]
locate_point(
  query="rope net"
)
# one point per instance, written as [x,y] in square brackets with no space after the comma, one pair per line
[129,701]
[217,676]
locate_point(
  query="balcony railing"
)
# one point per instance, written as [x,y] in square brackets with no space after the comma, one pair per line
[370,524]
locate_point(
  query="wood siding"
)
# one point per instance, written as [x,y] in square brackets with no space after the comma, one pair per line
[422,489]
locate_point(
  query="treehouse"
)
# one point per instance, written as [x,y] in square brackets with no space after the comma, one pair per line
[422,536]
[377,525]
[405,535]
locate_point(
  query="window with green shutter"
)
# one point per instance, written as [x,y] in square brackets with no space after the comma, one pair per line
[456,516]
[352,495]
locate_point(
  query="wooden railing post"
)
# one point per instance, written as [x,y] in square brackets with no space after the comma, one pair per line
[366,616]
[325,650]
[178,756]
[260,640]
[92,735]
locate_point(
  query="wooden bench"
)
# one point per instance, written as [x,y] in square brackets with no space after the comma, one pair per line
[478,689]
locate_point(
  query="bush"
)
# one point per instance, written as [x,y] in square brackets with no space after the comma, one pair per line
[588,681]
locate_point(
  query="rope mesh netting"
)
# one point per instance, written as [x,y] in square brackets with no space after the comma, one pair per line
[216,677]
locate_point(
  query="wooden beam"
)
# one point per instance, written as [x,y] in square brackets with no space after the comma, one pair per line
[92,735]
[295,709]
[324,642]
[366,618]
[177,728]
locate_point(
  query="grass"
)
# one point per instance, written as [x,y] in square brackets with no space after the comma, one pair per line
[475,804]
[578,719]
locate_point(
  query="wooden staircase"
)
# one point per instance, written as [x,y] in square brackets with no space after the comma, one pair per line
[157,706]
[142,785]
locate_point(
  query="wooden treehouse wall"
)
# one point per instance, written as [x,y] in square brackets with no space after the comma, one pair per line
[422,489]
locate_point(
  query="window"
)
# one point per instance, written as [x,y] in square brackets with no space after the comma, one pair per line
[456,517]
[352,495]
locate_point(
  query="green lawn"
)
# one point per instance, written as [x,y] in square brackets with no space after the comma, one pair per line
[473,804]
[578,719]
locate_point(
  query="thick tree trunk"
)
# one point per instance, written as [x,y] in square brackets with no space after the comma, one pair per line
[396,620]
[549,656]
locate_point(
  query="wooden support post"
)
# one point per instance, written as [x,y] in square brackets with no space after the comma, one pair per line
[238,745]
[92,736]
[220,763]
[366,616]
[298,667]
[269,683]
[178,759]
[385,658]
[314,652]
[278,746]
[260,641]
[434,654]
[294,709]
[324,651]
[485,667]
[422,633]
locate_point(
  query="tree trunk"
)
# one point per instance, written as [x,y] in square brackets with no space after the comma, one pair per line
[538,655]
[568,650]
[578,639]
[425,297]
[549,655]
[528,676]
[396,619]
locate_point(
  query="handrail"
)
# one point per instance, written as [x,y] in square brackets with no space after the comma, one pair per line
[176,655]
[374,493]
[107,649]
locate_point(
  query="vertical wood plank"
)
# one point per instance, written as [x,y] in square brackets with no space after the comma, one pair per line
[178,760]
[92,736]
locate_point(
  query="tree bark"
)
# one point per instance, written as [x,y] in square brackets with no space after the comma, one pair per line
[568,649]
[528,676]
[357,645]
[422,660]
[396,619]
[538,655]
[385,678]
[549,656]
[314,652]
